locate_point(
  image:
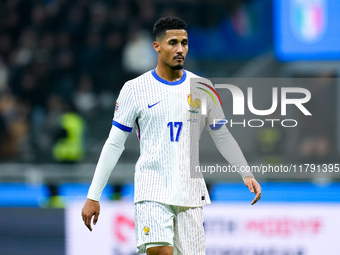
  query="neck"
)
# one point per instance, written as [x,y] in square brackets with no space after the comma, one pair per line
[168,74]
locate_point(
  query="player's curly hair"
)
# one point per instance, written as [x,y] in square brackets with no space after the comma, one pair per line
[167,23]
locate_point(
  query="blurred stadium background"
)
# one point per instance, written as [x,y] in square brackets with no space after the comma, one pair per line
[62,64]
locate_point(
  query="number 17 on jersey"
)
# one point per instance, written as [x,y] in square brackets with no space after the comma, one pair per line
[172,126]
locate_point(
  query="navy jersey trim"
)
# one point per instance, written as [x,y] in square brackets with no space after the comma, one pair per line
[218,124]
[154,74]
[122,127]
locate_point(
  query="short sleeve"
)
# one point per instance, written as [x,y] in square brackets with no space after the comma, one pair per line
[215,115]
[125,111]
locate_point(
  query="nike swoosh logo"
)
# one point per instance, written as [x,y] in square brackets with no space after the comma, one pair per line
[149,106]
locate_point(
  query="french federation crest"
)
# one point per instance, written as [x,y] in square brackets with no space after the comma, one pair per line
[146,230]
[308,19]
[194,103]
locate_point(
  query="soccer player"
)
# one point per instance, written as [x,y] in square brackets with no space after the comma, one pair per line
[169,107]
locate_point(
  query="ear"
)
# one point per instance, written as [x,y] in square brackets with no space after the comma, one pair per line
[156,46]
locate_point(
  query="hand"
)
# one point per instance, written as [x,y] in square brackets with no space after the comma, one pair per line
[253,186]
[90,208]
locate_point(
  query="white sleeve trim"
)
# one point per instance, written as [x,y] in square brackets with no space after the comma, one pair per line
[109,156]
[230,150]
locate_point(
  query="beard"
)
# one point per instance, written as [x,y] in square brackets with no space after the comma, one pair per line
[176,67]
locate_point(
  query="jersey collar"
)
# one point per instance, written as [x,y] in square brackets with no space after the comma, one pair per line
[171,83]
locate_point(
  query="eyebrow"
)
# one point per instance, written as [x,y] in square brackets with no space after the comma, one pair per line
[176,40]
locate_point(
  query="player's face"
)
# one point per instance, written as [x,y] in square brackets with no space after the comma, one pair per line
[173,48]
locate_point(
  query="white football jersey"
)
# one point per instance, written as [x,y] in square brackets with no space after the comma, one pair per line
[169,118]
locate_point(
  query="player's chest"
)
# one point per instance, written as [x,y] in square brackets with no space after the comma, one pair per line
[162,102]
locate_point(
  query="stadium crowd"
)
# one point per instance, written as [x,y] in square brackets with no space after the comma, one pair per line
[58,56]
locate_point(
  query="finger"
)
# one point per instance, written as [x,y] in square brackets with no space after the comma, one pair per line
[88,222]
[95,219]
[257,197]
[257,189]
[250,186]
[89,226]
